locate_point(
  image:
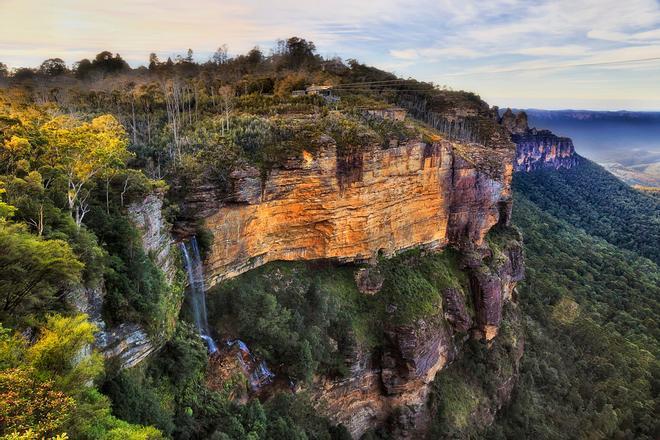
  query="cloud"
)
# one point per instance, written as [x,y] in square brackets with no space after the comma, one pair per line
[435,53]
[567,50]
[646,37]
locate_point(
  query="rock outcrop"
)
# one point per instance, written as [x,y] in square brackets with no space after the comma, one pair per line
[147,216]
[514,123]
[537,149]
[377,202]
[392,387]
[129,343]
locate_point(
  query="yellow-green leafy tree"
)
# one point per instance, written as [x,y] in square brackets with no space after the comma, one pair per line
[46,388]
[33,271]
[83,151]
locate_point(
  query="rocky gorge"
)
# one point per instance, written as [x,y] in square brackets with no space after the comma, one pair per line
[378,203]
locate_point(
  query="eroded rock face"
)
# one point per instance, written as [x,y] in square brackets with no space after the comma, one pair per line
[353,208]
[456,312]
[392,387]
[492,283]
[515,124]
[369,280]
[538,149]
[129,343]
[147,216]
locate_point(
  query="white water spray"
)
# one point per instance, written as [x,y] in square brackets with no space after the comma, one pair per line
[195,271]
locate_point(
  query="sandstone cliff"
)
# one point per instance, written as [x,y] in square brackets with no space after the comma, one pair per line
[376,202]
[536,149]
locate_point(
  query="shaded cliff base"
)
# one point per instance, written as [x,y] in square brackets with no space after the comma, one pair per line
[367,341]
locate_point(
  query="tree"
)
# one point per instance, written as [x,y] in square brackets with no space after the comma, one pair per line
[153,61]
[221,55]
[226,95]
[33,408]
[23,74]
[6,210]
[32,270]
[53,67]
[298,52]
[83,68]
[46,388]
[4,71]
[58,352]
[108,63]
[83,151]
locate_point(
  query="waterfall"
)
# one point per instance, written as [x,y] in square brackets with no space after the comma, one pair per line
[195,271]
[260,374]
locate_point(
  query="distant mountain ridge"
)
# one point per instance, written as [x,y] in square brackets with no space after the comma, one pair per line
[590,114]
[627,143]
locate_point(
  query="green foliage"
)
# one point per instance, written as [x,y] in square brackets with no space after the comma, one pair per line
[169,392]
[136,289]
[590,198]
[56,354]
[288,315]
[350,134]
[267,105]
[46,388]
[465,392]
[306,318]
[414,283]
[42,209]
[33,271]
[28,406]
[6,210]
[62,164]
[590,367]
[138,400]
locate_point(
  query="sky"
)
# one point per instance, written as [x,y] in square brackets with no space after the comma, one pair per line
[549,54]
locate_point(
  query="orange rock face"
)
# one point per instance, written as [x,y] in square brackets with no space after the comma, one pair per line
[353,208]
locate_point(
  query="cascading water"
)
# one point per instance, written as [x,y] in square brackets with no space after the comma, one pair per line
[195,271]
[260,374]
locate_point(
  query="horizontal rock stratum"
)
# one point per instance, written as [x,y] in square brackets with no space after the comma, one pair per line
[355,207]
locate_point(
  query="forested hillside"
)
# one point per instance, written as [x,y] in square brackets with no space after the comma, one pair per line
[590,198]
[591,308]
